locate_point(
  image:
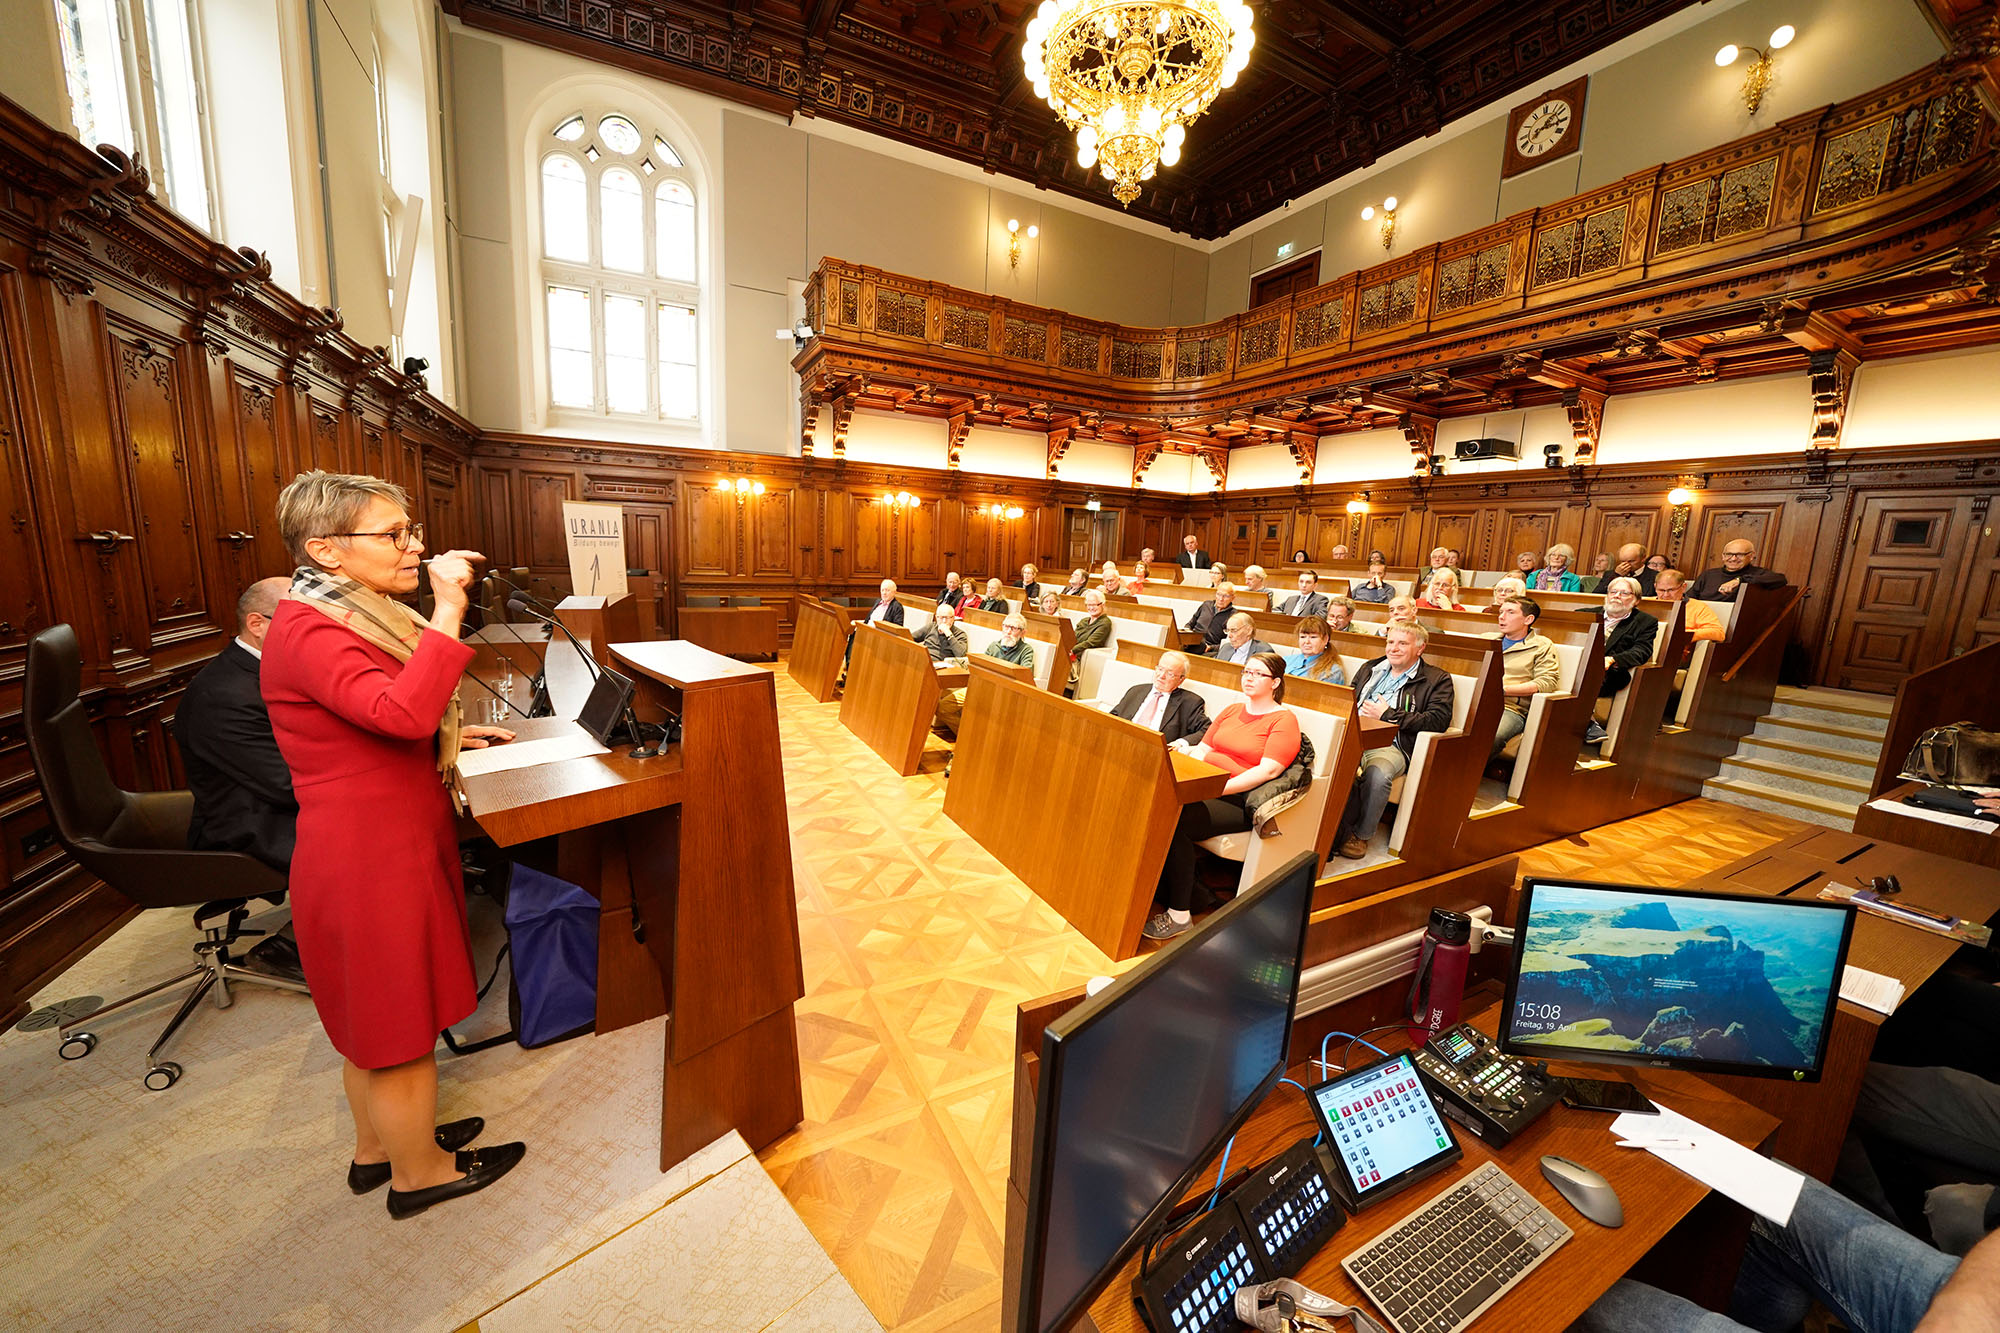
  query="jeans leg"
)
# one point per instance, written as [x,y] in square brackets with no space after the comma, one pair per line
[1370,797]
[1875,1276]
[1511,725]
[1634,1307]
[1941,1112]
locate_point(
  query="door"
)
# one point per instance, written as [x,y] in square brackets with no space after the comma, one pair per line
[1301,275]
[1904,589]
[1978,621]
[1077,543]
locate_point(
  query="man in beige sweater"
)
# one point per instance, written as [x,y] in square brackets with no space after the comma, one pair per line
[1528,661]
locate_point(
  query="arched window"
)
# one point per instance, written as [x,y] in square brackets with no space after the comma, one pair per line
[620,272]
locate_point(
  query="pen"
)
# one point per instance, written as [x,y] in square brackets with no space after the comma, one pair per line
[1658,1143]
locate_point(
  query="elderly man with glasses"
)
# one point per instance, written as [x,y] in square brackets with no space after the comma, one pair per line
[1164,706]
[1402,688]
[1739,567]
[1011,647]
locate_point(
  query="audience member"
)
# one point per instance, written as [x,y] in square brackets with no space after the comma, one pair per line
[1146,556]
[953,591]
[1340,613]
[243,799]
[1632,564]
[1402,611]
[1219,573]
[1192,556]
[1378,557]
[1440,558]
[1093,630]
[1051,604]
[1512,585]
[1031,591]
[1137,583]
[1254,741]
[942,638]
[1451,562]
[1010,647]
[1441,593]
[1110,582]
[1315,659]
[1253,578]
[1738,568]
[1398,687]
[1670,585]
[1339,552]
[1526,563]
[993,601]
[969,598]
[1628,642]
[1176,713]
[1211,618]
[1239,641]
[1656,562]
[1078,581]
[1376,587]
[1310,601]
[1529,665]
[886,611]
[1556,575]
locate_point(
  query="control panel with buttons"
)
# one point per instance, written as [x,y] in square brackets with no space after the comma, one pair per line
[1495,1096]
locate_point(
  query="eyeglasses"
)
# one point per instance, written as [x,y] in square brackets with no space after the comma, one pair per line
[399,537]
[1265,674]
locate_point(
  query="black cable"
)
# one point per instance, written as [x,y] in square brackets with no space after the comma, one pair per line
[494,975]
[1348,1058]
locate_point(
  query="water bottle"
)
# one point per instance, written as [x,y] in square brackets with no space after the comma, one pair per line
[1438,991]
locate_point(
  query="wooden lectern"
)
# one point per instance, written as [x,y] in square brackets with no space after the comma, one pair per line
[689,855]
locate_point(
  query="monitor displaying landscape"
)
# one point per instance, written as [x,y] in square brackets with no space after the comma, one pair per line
[1634,974]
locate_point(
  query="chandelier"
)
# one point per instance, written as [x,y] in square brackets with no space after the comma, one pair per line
[1128,75]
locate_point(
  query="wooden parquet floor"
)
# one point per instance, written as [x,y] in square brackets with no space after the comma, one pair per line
[917,948]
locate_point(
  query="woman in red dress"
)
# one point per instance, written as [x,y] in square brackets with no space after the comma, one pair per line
[363,699]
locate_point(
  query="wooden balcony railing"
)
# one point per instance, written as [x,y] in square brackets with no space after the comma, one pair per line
[1817,177]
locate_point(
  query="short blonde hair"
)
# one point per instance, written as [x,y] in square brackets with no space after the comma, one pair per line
[1564,549]
[1412,628]
[320,504]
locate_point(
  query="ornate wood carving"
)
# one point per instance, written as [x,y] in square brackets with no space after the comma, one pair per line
[808,418]
[1059,439]
[843,416]
[1305,453]
[957,427]
[1585,409]
[1421,433]
[1215,458]
[1831,371]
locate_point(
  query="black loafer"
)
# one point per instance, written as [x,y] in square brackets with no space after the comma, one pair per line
[482,1166]
[365,1176]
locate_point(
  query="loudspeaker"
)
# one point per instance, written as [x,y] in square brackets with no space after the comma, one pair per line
[1488,449]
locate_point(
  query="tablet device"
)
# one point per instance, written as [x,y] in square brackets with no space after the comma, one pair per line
[1382,1130]
[604,710]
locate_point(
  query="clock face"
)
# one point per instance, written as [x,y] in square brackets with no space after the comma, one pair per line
[1544,128]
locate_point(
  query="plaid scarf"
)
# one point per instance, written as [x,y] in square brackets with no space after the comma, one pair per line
[387,624]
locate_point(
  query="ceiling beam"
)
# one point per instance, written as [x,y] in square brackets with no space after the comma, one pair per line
[1360,22]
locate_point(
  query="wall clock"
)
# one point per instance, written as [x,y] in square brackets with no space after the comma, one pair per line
[1544,128]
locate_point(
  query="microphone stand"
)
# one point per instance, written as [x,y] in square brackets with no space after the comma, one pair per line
[643,749]
[539,704]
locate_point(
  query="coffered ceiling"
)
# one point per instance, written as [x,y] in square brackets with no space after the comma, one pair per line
[1331,86]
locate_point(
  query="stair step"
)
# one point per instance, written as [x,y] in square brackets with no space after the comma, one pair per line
[1824,734]
[1794,778]
[1797,805]
[1805,754]
[1844,701]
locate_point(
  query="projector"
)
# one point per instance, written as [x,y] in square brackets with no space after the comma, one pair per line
[1487,449]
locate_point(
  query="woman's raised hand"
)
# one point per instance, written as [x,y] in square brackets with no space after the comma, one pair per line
[451,578]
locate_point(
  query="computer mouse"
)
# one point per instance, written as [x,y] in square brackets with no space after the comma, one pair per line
[1590,1193]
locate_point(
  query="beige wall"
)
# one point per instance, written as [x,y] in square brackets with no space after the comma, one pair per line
[31,68]
[1925,399]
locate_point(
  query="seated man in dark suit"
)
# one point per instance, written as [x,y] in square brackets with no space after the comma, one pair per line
[954,591]
[242,789]
[1239,640]
[1739,566]
[1628,642]
[1310,601]
[1177,714]
[1402,688]
[886,611]
[1211,618]
[1192,556]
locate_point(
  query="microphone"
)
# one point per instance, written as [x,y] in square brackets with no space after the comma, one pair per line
[520,601]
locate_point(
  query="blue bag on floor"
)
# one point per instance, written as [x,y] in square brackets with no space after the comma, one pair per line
[552,930]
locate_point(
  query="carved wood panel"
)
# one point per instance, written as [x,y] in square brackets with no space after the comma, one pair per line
[149,393]
[496,501]
[1457,530]
[772,545]
[870,539]
[1381,532]
[542,495]
[1521,530]
[1612,528]
[646,539]
[1894,613]
[1757,523]
[250,482]
[710,524]
[24,593]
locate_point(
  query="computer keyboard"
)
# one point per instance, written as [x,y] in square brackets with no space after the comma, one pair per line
[1438,1268]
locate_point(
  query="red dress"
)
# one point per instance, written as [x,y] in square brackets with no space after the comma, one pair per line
[377,900]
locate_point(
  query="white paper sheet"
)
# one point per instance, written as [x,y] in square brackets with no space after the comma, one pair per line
[1872,989]
[571,744]
[1717,1161]
[1935,816]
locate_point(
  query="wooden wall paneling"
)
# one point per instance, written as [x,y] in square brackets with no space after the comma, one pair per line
[250,482]
[500,516]
[1722,522]
[710,528]
[1461,530]
[542,497]
[1381,531]
[1978,620]
[769,525]
[920,544]
[976,541]
[871,536]
[1518,529]
[1899,598]
[24,593]
[1610,527]
[448,518]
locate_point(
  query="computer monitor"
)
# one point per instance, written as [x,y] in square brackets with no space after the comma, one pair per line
[1622,974]
[1143,1082]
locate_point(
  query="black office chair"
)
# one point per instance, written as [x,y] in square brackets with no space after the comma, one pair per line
[704,601]
[136,842]
[753,601]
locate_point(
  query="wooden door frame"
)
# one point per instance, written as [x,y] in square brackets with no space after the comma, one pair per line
[1285,272]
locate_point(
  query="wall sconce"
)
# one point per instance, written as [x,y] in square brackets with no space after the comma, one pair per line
[1757,78]
[1388,212]
[901,500]
[1355,509]
[1014,241]
[1005,511]
[744,487]
[1552,455]
[1682,499]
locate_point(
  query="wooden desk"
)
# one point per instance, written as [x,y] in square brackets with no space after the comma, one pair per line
[1957,844]
[689,857]
[1656,1198]
[733,631]
[891,696]
[1195,779]
[1816,1114]
[819,642]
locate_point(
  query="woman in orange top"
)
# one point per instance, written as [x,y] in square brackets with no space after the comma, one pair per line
[1255,741]
[1137,583]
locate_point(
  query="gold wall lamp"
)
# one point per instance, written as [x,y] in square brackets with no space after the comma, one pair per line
[1014,240]
[1762,70]
[1387,209]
